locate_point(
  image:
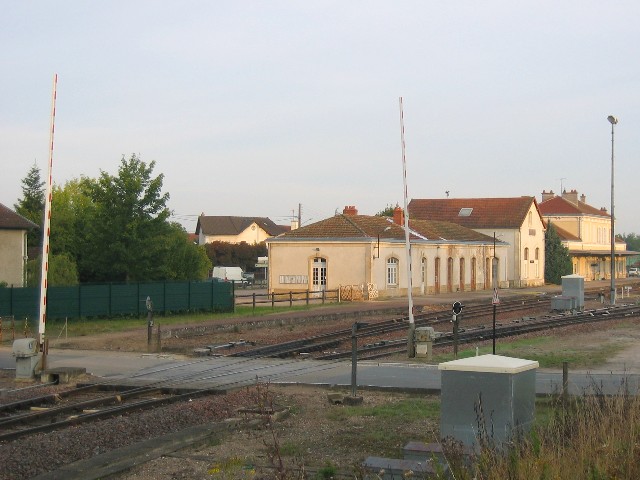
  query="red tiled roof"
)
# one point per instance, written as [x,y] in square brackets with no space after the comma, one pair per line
[10,220]
[564,235]
[561,206]
[368,227]
[481,212]
[230,225]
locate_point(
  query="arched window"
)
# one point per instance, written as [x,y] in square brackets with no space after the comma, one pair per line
[392,272]
[526,253]
[537,253]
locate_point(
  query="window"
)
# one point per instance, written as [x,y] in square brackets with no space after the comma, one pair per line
[530,218]
[526,253]
[465,212]
[392,271]
[537,253]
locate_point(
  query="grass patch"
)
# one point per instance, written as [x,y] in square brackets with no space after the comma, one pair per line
[549,352]
[380,428]
[590,437]
[413,409]
[292,449]
[95,326]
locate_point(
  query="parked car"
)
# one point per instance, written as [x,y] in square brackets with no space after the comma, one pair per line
[249,277]
[634,272]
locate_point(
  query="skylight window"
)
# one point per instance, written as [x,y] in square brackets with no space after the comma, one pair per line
[465,212]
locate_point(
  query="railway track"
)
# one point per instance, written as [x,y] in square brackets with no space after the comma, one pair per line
[331,340]
[87,403]
[477,333]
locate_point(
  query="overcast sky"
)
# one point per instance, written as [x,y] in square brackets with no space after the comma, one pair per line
[251,108]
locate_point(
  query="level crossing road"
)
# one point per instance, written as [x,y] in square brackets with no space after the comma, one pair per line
[129,368]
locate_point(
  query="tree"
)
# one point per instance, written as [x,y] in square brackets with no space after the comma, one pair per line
[386,211]
[130,215]
[185,260]
[62,271]
[633,241]
[236,255]
[73,213]
[31,205]
[557,261]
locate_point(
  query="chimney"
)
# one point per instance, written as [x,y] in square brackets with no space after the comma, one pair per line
[350,210]
[571,196]
[547,196]
[294,224]
[398,216]
[583,198]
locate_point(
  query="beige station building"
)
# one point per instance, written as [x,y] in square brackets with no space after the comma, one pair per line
[369,253]
[586,232]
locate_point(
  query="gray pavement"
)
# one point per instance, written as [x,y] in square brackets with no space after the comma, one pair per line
[227,373]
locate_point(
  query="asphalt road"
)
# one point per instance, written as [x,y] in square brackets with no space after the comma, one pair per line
[227,372]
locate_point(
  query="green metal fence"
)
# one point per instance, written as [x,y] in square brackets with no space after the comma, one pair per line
[119,299]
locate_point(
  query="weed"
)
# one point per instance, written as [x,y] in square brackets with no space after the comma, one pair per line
[328,471]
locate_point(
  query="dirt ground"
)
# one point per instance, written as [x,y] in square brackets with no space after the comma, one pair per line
[314,432]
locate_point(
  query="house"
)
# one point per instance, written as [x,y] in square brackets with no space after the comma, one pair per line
[236,229]
[586,231]
[369,252]
[13,246]
[516,221]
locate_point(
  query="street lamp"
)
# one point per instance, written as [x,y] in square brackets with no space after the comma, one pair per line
[385,229]
[613,121]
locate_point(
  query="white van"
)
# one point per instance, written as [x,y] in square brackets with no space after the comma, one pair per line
[229,274]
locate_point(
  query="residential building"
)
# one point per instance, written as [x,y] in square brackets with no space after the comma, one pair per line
[516,221]
[236,229]
[369,252]
[13,246]
[586,232]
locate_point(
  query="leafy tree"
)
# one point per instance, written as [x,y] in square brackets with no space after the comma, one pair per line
[73,213]
[240,254]
[557,261]
[130,215]
[386,211]
[633,241]
[62,271]
[185,260]
[31,205]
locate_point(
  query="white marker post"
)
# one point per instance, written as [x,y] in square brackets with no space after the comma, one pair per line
[46,231]
[411,350]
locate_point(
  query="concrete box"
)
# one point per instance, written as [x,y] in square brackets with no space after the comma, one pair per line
[573,286]
[26,367]
[502,388]
[563,303]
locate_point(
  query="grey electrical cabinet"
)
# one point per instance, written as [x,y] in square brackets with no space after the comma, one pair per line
[573,286]
[488,393]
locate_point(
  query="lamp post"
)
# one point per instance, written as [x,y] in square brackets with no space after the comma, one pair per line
[385,229]
[613,121]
